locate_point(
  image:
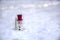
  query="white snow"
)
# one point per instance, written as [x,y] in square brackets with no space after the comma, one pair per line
[39,24]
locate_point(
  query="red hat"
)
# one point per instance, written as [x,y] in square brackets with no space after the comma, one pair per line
[19,16]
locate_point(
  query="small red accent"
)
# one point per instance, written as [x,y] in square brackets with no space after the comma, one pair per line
[19,16]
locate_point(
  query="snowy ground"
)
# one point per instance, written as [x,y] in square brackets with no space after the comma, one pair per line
[39,23]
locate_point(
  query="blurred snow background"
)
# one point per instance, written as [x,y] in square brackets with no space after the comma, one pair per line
[41,19]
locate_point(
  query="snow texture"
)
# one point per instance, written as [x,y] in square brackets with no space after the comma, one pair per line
[39,23]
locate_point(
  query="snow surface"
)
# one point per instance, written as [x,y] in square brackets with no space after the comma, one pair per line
[39,24]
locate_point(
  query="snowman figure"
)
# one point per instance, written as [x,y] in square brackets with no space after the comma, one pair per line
[18,22]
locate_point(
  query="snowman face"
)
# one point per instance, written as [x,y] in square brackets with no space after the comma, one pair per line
[19,24]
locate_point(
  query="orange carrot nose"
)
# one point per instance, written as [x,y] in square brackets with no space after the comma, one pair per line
[19,17]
